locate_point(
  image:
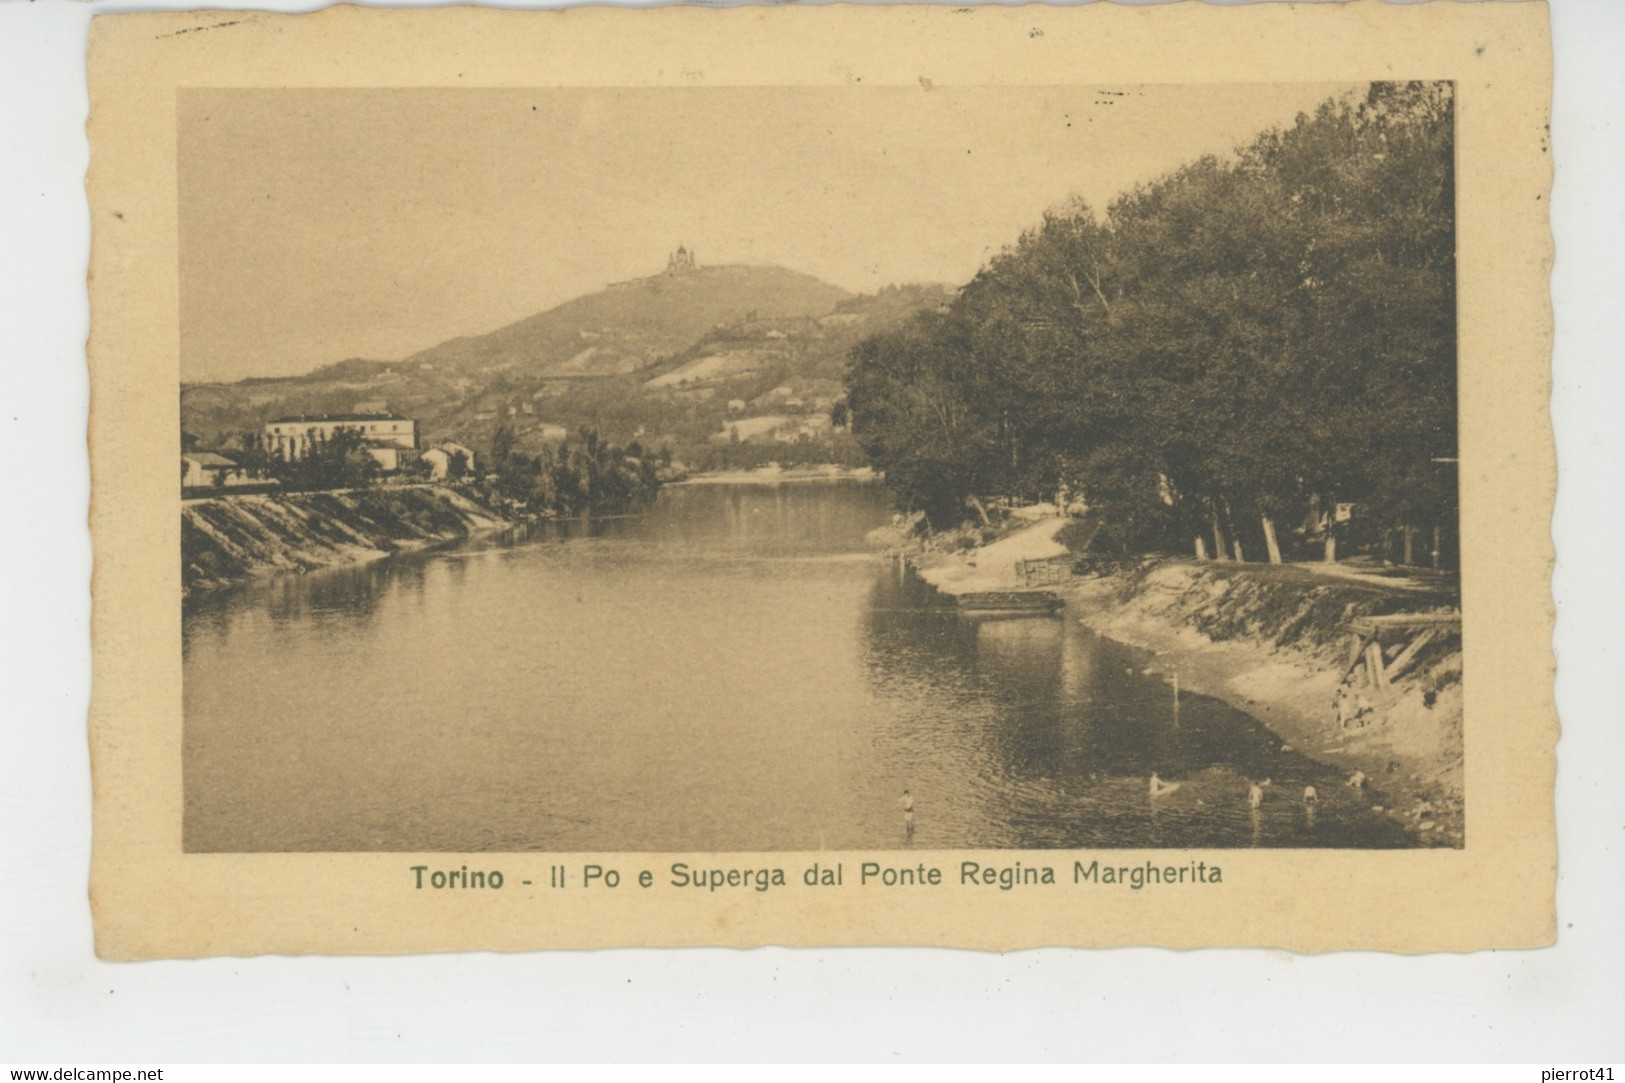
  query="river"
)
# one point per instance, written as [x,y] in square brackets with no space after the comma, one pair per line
[732,671]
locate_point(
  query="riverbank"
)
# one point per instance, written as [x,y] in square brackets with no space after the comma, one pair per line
[1273,641]
[774,475]
[232,539]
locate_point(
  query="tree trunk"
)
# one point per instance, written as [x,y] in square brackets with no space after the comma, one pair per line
[977,504]
[1410,546]
[1331,547]
[1218,535]
[1270,542]
[1438,556]
[1201,548]
[1235,535]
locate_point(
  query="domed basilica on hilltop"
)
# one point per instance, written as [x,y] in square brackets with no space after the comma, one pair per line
[681,262]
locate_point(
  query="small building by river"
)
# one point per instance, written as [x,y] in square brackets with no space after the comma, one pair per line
[206,473]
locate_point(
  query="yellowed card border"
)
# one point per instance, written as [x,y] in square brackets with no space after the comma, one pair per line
[151,900]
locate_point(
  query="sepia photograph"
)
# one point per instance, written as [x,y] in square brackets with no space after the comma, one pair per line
[793,532]
[819,468]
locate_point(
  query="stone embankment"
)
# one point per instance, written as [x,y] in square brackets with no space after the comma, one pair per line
[231,539]
[1274,641]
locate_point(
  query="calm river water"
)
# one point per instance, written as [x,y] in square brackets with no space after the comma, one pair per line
[732,671]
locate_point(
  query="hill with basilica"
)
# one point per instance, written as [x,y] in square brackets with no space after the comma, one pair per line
[690,358]
[632,325]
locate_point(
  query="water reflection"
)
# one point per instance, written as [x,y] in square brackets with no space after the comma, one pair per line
[731,671]
[1071,728]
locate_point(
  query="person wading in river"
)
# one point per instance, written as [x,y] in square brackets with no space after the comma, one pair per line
[1159,788]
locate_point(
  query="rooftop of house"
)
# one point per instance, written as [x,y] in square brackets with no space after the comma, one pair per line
[207,458]
[330,418]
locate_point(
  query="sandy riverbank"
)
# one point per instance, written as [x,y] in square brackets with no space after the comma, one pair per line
[1270,640]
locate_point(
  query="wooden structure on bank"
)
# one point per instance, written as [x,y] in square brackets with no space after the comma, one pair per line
[1373,639]
[1007,604]
[1048,570]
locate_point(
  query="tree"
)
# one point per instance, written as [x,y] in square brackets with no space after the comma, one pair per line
[502,441]
[256,459]
[1232,346]
[909,393]
[331,461]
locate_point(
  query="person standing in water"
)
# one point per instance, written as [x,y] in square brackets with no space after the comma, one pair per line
[906,803]
[1159,788]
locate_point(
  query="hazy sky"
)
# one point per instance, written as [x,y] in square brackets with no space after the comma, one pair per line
[318,225]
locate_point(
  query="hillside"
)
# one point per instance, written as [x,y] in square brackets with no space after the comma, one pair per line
[630,325]
[807,348]
[682,361]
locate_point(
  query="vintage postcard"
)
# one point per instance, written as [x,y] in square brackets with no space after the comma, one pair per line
[980,477]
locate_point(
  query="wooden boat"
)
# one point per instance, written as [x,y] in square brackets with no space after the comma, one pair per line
[1005,604]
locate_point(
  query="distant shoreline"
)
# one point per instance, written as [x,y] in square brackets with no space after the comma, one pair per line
[774,476]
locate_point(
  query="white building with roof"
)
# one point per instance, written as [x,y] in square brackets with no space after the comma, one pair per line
[388,438]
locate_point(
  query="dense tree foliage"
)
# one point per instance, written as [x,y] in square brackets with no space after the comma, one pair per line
[1247,341]
[336,461]
[581,473]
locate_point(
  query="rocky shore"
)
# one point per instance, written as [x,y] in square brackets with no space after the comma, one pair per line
[230,539]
